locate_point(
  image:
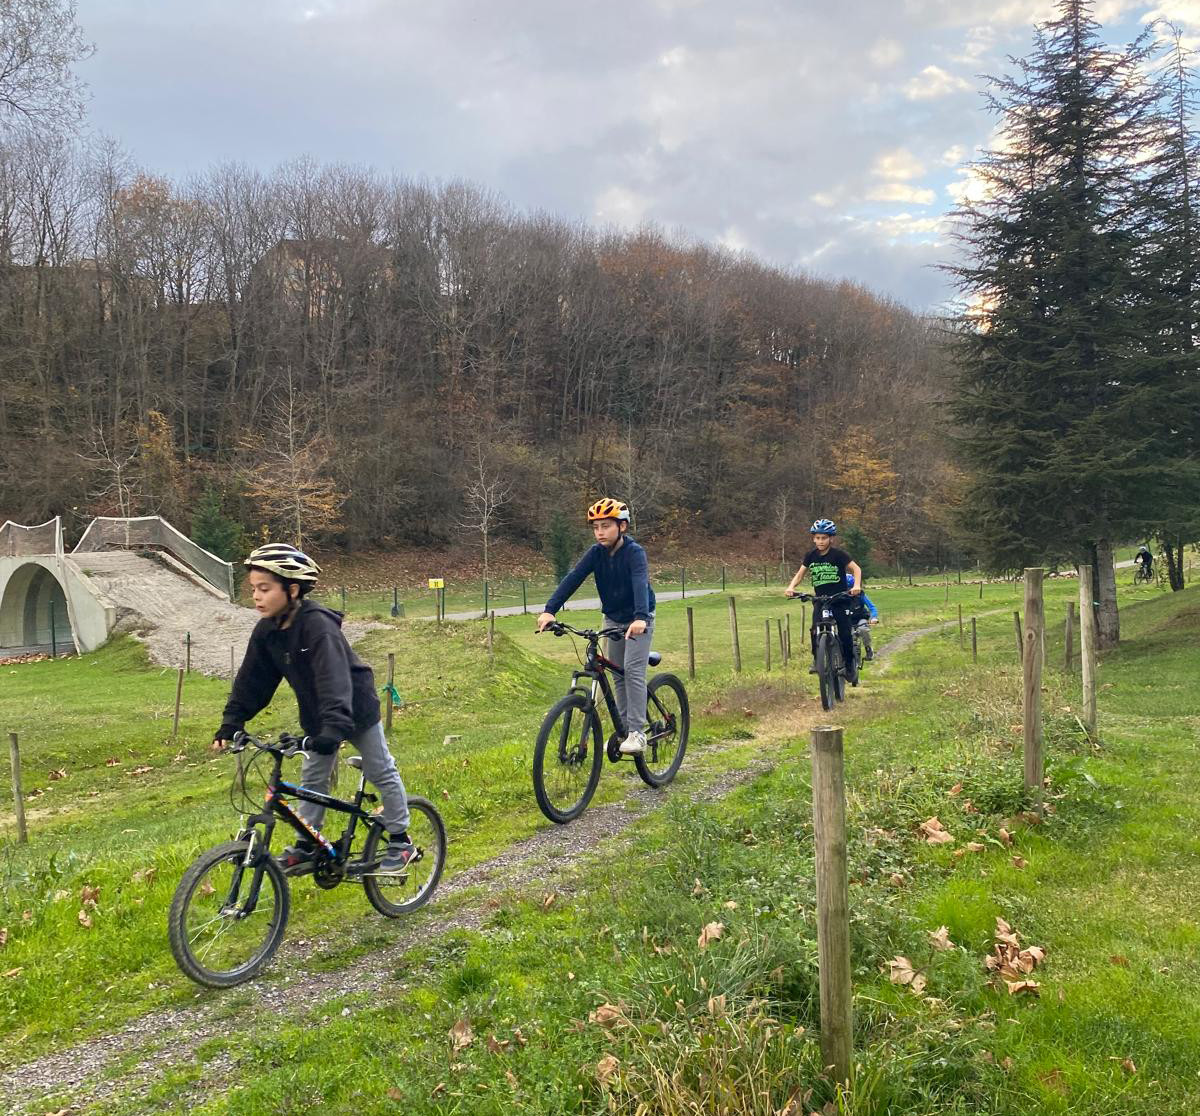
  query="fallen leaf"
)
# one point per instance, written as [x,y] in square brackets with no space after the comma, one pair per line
[1005,933]
[969,807]
[934,832]
[699,888]
[1015,987]
[206,888]
[711,932]
[608,1016]
[438,1089]
[112,761]
[956,789]
[89,896]
[461,1035]
[519,1038]
[85,919]
[445,794]
[1019,861]
[497,1046]
[731,905]
[548,900]
[1127,1064]
[1007,1063]
[903,973]
[1005,836]
[941,938]
[395,1094]
[61,773]
[12,973]
[896,880]
[959,854]
[606,1067]
[144,875]
[1117,959]
[510,1077]
[975,846]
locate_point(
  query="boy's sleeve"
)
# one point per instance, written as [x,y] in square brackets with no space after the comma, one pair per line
[572,581]
[870,607]
[257,680]
[639,572]
[335,690]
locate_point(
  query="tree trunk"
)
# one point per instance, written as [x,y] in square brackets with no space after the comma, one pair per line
[1108,622]
[1173,553]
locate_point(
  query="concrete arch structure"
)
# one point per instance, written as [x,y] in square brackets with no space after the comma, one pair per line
[46,602]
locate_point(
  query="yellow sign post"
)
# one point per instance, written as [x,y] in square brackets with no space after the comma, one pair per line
[437,583]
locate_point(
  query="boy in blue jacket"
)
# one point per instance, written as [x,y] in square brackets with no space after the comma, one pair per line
[623,580]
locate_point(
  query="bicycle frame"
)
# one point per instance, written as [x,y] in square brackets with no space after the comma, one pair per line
[595,668]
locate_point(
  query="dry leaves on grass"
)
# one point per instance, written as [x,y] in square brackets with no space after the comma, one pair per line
[3,935]
[61,773]
[934,832]
[89,896]
[461,1036]
[1005,836]
[902,972]
[711,933]
[608,1016]
[698,888]
[606,1067]
[1012,964]
[941,938]
[1019,862]
[85,920]
[497,1046]
[548,900]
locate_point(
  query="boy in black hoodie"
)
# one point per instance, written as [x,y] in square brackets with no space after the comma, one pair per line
[302,641]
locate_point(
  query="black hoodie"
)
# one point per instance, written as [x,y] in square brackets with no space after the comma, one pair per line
[334,688]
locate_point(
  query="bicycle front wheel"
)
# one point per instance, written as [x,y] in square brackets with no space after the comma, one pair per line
[825,671]
[668,720]
[567,759]
[394,895]
[227,919]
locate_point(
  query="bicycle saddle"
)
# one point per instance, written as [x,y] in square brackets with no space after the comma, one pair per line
[355,762]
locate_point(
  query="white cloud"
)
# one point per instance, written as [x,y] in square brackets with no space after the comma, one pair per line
[952,156]
[932,82]
[618,205]
[824,199]
[885,53]
[900,163]
[901,192]
[676,56]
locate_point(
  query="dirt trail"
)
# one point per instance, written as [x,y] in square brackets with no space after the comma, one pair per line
[170,1037]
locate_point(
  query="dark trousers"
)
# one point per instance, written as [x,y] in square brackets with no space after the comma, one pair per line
[845,626]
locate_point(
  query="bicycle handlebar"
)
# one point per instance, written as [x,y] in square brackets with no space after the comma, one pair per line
[830,598]
[287,747]
[560,629]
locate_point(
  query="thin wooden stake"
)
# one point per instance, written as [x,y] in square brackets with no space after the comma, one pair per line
[974,642]
[961,636]
[187,661]
[782,646]
[1069,637]
[1087,649]
[387,715]
[733,634]
[1035,635]
[981,588]
[833,902]
[767,644]
[787,637]
[14,758]
[178,699]
[1020,637]
[691,643]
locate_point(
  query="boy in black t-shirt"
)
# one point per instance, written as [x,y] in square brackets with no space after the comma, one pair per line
[828,566]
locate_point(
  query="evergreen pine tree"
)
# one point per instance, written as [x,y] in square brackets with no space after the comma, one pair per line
[561,543]
[1053,359]
[213,529]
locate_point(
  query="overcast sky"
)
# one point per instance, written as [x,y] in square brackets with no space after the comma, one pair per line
[822,136]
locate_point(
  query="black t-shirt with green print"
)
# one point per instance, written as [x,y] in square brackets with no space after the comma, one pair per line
[827,571]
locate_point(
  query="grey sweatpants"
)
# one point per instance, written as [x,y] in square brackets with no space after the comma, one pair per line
[631,656]
[378,767]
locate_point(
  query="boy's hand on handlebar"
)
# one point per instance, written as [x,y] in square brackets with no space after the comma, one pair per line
[544,621]
[635,629]
[855,590]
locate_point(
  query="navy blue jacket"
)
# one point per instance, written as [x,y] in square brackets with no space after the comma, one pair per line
[334,688]
[623,580]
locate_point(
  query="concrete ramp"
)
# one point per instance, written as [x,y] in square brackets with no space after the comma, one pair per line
[161,602]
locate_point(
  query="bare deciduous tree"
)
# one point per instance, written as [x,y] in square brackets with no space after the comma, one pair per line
[39,44]
[485,493]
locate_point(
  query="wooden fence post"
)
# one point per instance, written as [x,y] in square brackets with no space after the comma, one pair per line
[733,634]
[14,757]
[833,901]
[178,699]
[974,642]
[981,588]
[1069,637]
[1035,633]
[387,723]
[1087,649]
[691,644]
[187,659]
[787,635]
[767,645]
[491,638]
[961,636]
[783,655]
[1020,637]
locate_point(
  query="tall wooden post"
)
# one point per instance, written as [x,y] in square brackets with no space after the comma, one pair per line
[1087,649]
[178,699]
[683,583]
[187,659]
[961,644]
[783,656]
[981,588]
[1035,634]
[1069,637]
[833,901]
[974,642]
[733,635]
[387,716]
[787,637]
[1020,637]
[947,590]
[524,599]
[767,644]
[14,758]
[691,643]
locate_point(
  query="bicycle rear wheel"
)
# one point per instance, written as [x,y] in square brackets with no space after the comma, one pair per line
[226,919]
[567,759]
[667,734]
[825,672]
[394,895]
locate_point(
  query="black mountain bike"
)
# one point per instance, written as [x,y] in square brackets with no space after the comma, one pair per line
[831,667]
[1142,573]
[569,750]
[231,906]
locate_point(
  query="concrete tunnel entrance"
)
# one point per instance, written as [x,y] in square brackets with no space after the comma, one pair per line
[33,613]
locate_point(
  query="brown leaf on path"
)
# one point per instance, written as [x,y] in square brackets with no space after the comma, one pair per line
[941,938]
[711,932]
[1005,836]
[461,1035]
[956,789]
[1016,987]
[548,900]
[606,1067]
[497,1046]
[85,920]
[89,896]
[934,832]
[1019,862]
[608,1016]
[975,846]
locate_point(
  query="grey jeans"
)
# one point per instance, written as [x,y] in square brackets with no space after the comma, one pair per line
[378,767]
[631,656]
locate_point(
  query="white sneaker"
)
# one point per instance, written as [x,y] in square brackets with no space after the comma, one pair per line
[634,744]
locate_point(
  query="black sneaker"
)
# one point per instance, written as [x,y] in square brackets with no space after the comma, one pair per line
[813,669]
[296,860]
[397,858]
[869,657]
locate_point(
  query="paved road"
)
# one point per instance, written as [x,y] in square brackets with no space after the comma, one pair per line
[575,606]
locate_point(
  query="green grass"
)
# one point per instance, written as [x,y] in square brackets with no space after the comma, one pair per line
[1103,880]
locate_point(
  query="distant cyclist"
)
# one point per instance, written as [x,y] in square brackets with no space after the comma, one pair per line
[828,567]
[1146,560]
[864,614]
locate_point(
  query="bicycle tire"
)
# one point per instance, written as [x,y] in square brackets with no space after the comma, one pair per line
[824,678]
[645,762]
[568,765]
[838,671]
[196,962]
[429,835]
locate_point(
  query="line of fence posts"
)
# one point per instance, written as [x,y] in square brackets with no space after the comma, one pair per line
[14,758]
[1031,675]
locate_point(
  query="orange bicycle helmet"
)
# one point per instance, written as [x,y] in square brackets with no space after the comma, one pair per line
[608,508]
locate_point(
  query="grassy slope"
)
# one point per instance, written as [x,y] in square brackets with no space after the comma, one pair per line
[128,939]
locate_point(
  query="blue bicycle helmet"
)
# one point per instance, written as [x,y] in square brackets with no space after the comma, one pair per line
[823,527]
